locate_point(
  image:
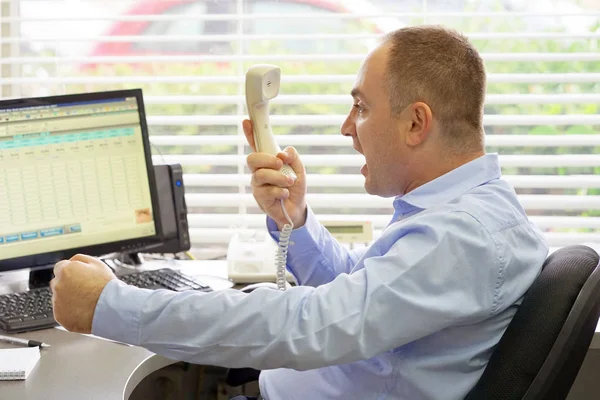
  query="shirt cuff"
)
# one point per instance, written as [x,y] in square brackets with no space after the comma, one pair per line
[118,311]
[303,238]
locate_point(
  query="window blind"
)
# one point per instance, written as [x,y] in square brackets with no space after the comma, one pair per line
[190,57]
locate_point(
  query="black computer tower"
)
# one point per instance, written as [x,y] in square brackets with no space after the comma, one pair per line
[173,210]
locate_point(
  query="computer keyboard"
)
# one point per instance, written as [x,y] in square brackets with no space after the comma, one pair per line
[31,310]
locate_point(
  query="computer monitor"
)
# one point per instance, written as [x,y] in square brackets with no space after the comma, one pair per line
[76,176]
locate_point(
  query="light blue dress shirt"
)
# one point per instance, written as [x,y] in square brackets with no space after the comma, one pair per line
[414,316]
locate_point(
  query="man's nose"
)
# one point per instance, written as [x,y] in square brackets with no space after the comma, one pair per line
[347,128]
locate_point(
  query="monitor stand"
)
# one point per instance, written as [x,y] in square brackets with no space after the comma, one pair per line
[41,277]
[134,259]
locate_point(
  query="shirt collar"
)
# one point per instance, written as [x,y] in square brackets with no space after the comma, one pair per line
[450,185]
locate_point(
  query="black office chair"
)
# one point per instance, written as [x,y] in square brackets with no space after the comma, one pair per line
[542,350]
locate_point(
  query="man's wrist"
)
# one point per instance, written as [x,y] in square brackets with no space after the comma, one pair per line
[298,222]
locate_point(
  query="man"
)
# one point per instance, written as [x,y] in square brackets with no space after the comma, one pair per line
[414,316]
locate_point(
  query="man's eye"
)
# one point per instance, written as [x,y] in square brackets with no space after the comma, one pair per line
[358,107]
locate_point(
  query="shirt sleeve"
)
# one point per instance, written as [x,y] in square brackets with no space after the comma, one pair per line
[439,275]
[314,256]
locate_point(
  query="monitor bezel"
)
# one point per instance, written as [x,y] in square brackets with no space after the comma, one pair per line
[45,260]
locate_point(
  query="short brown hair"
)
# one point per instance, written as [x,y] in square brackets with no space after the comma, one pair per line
[441,68]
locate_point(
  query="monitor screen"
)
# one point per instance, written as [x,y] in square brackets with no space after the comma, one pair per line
[75,176]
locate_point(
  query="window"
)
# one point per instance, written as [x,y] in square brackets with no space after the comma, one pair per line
[188,27]
[541,115]
[275,27]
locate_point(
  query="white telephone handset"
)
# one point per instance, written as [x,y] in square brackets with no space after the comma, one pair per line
[262,85]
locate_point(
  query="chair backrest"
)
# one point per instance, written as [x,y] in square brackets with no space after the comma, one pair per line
[540,354]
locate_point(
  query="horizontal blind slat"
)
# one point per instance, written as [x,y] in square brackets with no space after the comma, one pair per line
[257,221]
[569,77]
[299,16]
[352,200]
[585,98]
[488,57]
[357,160]
[303,36]
[339,140]
[357,181]
[223,235]
[337,120]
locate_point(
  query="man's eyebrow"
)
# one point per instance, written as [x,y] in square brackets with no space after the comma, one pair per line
[357,93]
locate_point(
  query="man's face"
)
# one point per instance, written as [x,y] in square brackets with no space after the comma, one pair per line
[375,132]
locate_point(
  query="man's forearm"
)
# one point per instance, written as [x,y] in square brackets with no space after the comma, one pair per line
[226,328]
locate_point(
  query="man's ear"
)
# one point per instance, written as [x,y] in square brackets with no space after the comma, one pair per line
[420,119]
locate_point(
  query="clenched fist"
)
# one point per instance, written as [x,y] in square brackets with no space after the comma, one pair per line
[76,288]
